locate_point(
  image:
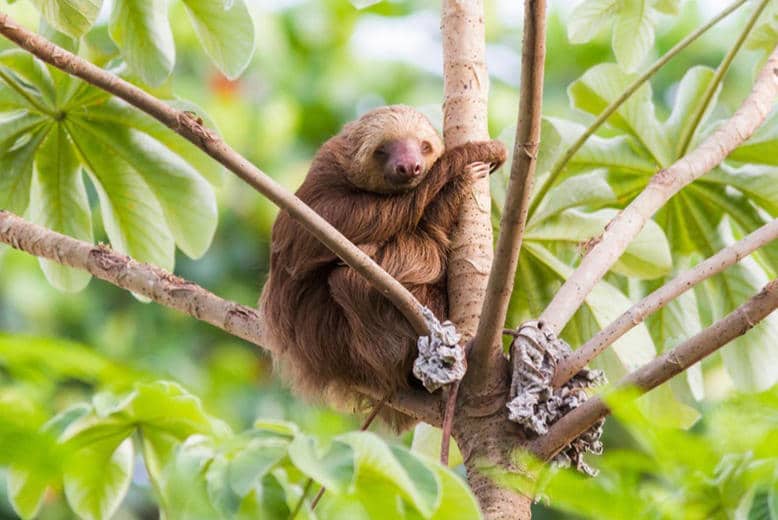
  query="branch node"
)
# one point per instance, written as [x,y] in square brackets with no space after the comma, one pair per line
[536,405]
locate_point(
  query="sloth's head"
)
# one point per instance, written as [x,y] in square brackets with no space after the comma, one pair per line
[393,149]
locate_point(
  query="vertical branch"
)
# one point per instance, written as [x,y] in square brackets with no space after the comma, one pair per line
[486,351]
[466,85]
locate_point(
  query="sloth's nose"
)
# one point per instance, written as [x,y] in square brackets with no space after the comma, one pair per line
[409,170]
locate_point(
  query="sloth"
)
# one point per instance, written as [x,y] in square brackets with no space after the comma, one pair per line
[387,184]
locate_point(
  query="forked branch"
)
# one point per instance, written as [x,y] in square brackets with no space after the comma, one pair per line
[623,229]
[190,128]
[728,256]
[661,369]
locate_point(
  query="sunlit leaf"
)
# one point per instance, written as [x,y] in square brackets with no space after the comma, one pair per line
[142,31]
[98,477]
[226,32]
[59,202]
[72,17]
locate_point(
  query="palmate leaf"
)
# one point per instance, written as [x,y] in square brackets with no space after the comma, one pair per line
[151,183]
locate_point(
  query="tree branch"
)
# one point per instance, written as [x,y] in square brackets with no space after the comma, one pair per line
[147,280]
[728,256]
[169,290]
[487,346]
[666,183]
[556,170]
[661,369]
[190,128]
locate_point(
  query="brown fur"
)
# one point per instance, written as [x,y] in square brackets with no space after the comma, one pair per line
[335,331]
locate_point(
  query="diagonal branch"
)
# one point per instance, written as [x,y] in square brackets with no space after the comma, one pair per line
[560,164]
[728,256]
[171,291]
[661,369]
[486,351]
[666,183]
[190,128]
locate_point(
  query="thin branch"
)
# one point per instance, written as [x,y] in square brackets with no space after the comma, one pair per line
[666,183]
[190,128]
[661,369]
[710,91]
[728,256]
[556,170]
[487,344]
[169,290]
[147,280]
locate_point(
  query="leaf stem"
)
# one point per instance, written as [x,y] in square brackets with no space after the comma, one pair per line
[686,140]
[556,170]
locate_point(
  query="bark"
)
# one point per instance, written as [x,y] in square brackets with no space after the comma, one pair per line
[661,369]
[482,436]
[487,347]
[192,129]
[623,228]
[728,256]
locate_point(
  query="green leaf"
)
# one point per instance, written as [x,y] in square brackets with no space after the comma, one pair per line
[427,440]
[334,469]
[182,484]
[764,36]
[580,190]
[98,477]
[647,256]
[688,102]
[762,147]
[670,7]
[26,489]
[633,33]
[752,359]
[604,83]
[226,32]
[142,31]
[456,499]
[589,18]
[31,71]
[375,460]
[185,198]
[132,216]
[59,202]
[16,170]
[117,112]
[72,17]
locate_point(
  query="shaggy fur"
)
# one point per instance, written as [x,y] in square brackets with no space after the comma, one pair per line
[333,328]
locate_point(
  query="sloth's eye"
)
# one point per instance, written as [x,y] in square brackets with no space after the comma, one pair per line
[426,147]
[380,153]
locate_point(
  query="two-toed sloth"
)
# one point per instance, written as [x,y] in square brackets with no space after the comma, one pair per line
[387,184]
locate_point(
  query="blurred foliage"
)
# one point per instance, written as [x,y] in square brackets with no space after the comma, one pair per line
[313,65]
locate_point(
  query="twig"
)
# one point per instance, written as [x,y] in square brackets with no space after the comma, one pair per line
[666,183]
[661,369]
[190,128]
[487,344]
[556,170]
[728,256]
